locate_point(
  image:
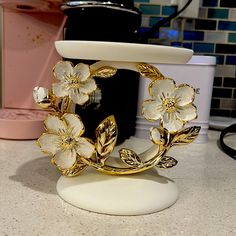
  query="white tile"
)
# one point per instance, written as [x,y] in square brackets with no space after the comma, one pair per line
[161,2]
[215,37]
[227,103]
[225,71]
[232,14]
[177,24]
[202,12]
[189,24]
[145,21]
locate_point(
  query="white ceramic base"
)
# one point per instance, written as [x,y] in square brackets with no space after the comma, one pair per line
[137,194]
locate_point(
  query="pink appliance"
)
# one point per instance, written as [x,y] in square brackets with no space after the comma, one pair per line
[29,29]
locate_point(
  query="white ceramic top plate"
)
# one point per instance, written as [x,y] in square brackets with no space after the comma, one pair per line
[124,52]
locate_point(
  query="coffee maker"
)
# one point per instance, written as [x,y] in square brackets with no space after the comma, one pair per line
[29,30]
[113,21]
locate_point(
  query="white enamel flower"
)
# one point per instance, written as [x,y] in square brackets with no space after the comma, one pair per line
[43,97]
[40,94]
[171,104]
[63,140]
[75,82]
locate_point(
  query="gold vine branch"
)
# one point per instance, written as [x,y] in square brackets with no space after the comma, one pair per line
[106,132]
[156,155]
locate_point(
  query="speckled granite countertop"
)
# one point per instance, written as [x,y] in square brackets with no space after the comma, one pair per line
[29,204]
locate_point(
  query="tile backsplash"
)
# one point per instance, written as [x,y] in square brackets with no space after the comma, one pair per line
[213,33]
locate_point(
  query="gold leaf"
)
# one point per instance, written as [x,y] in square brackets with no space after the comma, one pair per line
[106,136]
[167,162]
[186,136]
[149,71]
[130,158]
[104,72]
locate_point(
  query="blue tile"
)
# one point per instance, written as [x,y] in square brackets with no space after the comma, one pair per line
[168,10]
[231,60]
[143,31]
[219,58]
[228,3]
[141,0]
[176,44]
[218,13]
[202,24]
[150,9]
[227,25]
[203,47]
[232,38]
[194,35]
[225,48]
[188,45]
[210,3]
[229,82]
[154,20]
[169,34]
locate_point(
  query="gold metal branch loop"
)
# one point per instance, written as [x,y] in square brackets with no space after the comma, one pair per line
[72,153]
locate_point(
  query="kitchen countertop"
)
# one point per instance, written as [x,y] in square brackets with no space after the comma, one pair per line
[205,176]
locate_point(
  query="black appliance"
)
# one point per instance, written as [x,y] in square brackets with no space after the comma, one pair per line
[114,21]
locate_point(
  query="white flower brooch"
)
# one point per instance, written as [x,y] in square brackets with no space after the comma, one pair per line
[72,153]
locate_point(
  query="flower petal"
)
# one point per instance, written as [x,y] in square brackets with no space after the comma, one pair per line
[49,143]
[171,123]
[54,124]
[162,88]
[155,136]
[65,158]
[184,95]
[78,98]
[74,124]
[84,148]
[186,113]
[152,110]
[59,90]
[82,71]
[40,94]
[63,69]
[88,86]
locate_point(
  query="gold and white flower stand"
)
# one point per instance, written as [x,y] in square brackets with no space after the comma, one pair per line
[119,180]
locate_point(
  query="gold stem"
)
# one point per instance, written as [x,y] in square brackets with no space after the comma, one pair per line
[126,171]
[66,104]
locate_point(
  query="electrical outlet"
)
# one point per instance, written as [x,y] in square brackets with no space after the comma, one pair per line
[191,11]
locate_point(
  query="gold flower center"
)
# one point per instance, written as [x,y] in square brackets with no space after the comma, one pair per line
[67,142]
[169,105]
[73,82]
